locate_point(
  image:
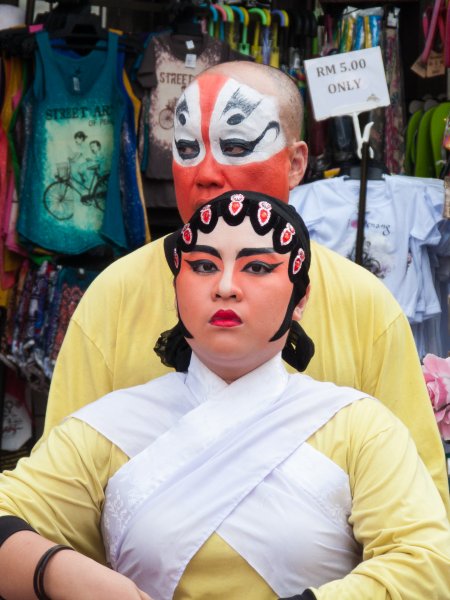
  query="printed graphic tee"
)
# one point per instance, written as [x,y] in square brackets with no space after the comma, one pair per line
[70,194]
[402,220]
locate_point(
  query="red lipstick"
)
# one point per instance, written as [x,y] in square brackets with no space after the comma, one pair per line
[225,318]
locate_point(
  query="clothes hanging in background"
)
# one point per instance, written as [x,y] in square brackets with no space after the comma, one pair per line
[13,80]
[403,220]
[80,154]
[69,172]
[395,114]
[11,16]
[37,317]
[69,199]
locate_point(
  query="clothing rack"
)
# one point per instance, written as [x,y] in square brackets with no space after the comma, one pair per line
[70,5]
[362,203]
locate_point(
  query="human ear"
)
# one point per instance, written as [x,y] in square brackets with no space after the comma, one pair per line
[298,156]
[300,308]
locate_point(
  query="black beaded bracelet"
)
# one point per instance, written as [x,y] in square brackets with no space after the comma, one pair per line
[38,577]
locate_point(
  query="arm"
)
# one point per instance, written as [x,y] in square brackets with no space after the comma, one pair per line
[397,515]
[63,499]
[361,334]
[81,374]
[402,389]
[68,575]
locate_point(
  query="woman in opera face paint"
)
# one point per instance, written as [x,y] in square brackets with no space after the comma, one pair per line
[241,292]
[241,277]
[227,135]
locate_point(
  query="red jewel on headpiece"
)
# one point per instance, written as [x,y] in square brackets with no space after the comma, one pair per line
[176,258]
[287,234]
[298,261]
[264,212]
[186,234]
[235,205]
[206,214]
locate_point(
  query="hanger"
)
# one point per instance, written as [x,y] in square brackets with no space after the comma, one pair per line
[187,23]
[223,18]
[244,46]
[79,25]
[80,30]
[374,170]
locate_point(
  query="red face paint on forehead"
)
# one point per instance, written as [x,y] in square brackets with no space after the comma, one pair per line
[209,86]
[227,136]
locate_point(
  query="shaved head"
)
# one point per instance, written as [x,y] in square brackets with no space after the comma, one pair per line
[237,125]
[271,81]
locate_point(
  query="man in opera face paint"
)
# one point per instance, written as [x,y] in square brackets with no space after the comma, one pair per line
[237,127]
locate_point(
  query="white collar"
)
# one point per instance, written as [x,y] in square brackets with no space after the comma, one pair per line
[266,381]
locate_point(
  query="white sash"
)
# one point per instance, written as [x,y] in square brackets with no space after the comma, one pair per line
[293,528]
[167,501]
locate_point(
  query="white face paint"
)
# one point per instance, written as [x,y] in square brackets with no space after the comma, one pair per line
[188,146]
[244,126]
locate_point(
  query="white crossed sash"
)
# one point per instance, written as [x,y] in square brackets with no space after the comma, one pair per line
[167,500]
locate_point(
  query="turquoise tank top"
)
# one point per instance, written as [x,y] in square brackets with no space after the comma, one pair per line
[70,198]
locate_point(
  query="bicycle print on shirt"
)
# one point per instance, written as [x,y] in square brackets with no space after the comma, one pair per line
[79,144]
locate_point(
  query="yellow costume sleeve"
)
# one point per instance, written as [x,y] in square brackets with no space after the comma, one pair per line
[59,490]
[364,340]
[397,515]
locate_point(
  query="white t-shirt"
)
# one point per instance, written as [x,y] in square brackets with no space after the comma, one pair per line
[402,218]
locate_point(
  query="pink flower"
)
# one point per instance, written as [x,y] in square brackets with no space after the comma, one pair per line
[436,371]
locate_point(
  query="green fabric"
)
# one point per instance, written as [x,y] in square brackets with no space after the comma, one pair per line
[411,133]
[437,129]
[424,165]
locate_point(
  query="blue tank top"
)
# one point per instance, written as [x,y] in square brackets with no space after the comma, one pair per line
[70,197]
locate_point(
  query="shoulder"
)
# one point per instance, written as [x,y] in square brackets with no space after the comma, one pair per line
[357,286]
[368,417]
[134,265]
[365,423]
[141,273]
[133,417]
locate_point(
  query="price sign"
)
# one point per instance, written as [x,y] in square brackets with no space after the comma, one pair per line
[348,83]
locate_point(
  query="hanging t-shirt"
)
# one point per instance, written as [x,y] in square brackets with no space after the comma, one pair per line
[9,261]
[170,63]
[133,202]
[401,218]
[70,195]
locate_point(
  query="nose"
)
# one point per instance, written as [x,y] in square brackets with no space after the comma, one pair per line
[227,286]
[210,173]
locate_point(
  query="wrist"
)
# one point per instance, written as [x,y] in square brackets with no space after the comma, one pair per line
[41,569]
